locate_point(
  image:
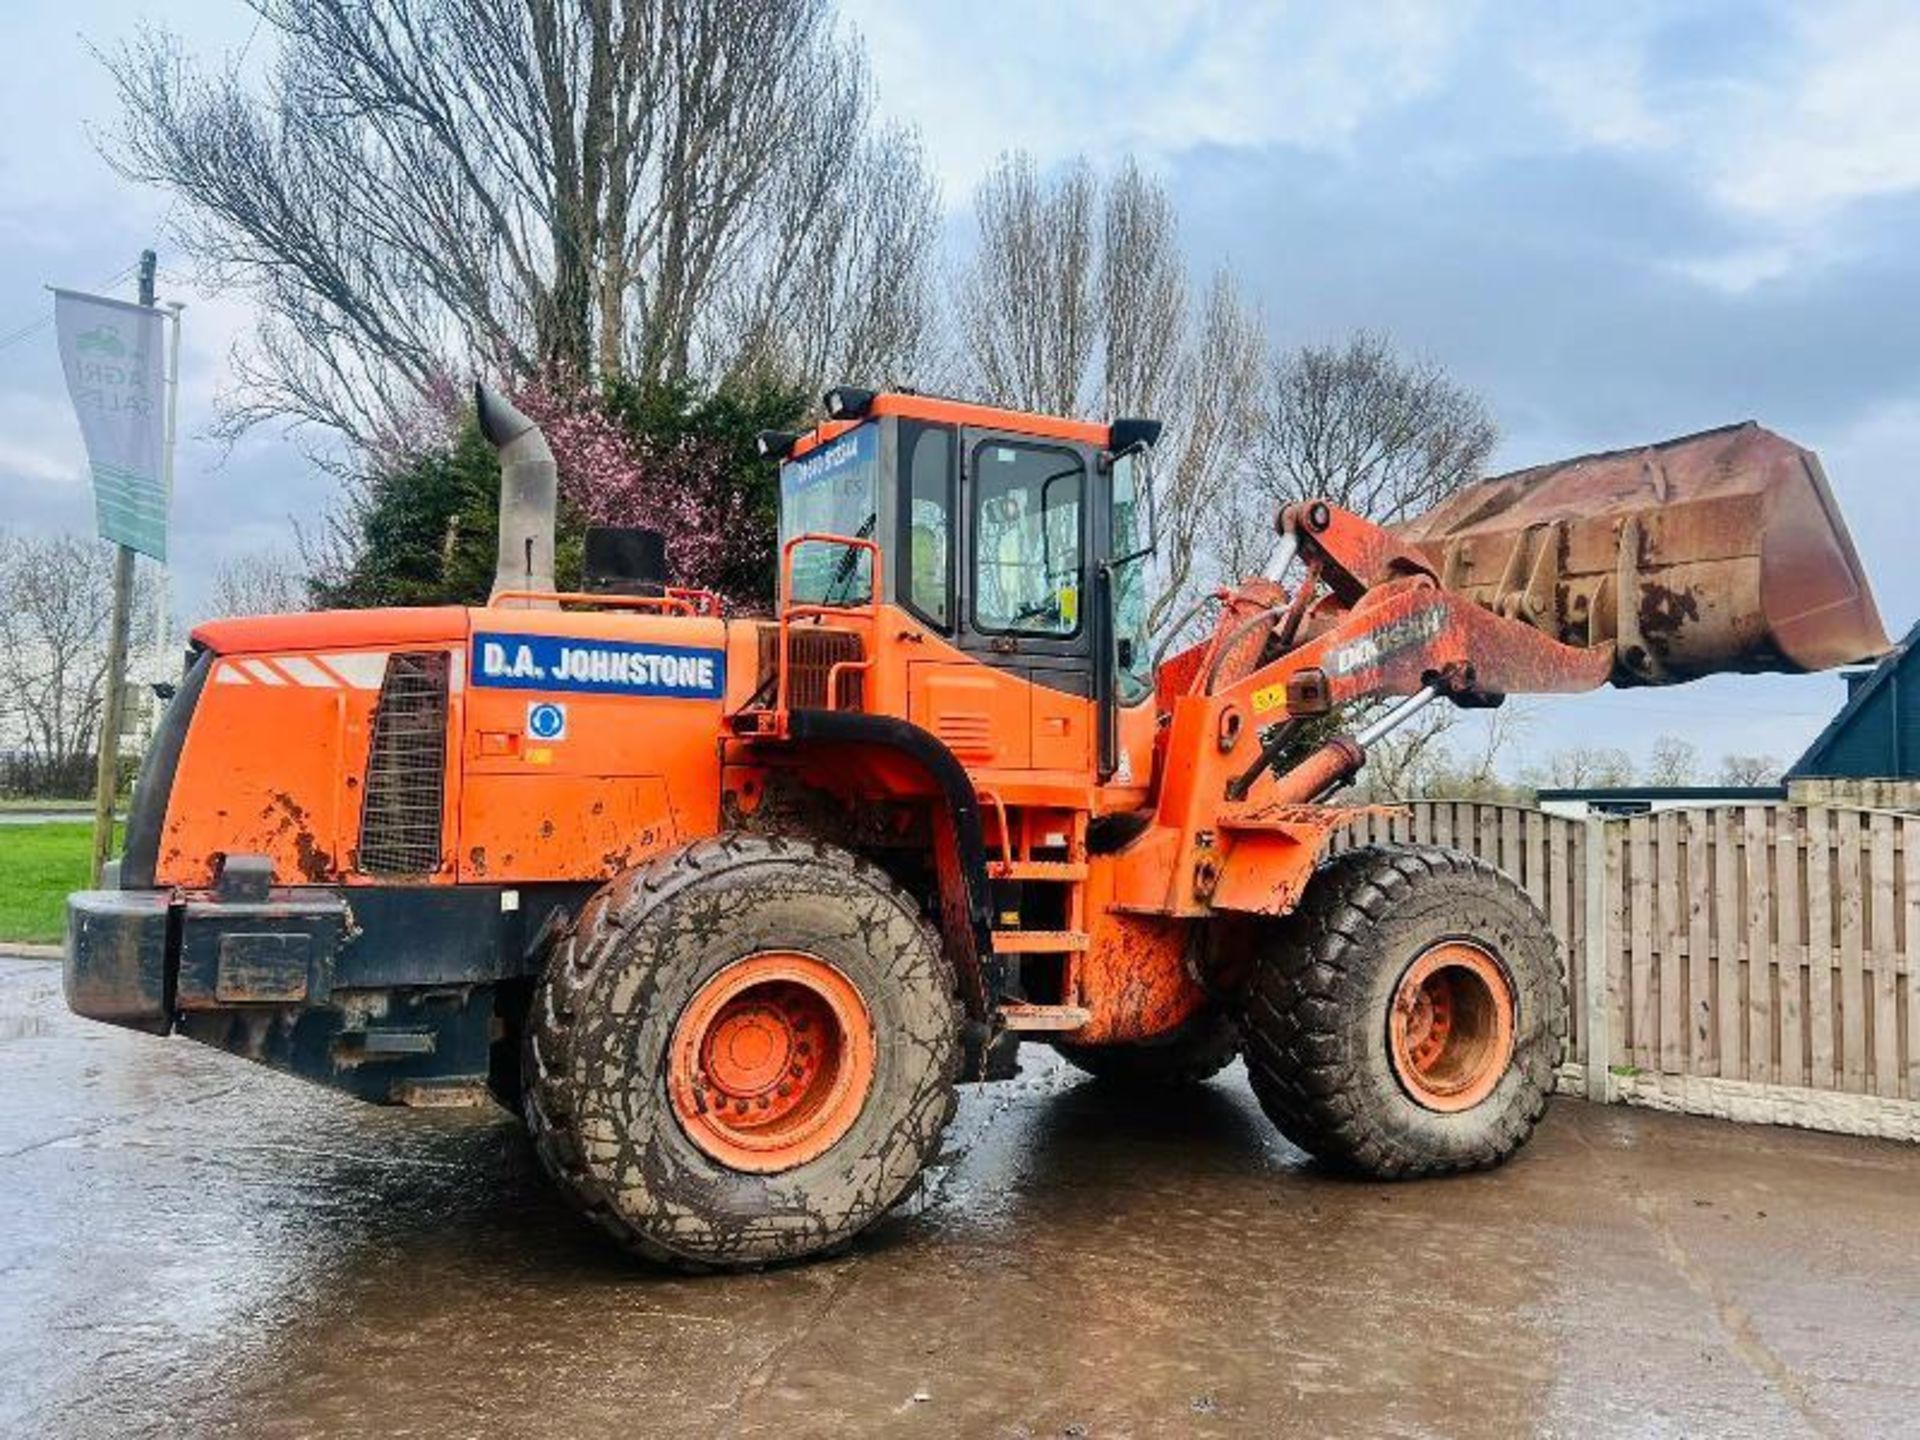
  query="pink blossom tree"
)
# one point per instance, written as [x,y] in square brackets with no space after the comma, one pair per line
[684,483]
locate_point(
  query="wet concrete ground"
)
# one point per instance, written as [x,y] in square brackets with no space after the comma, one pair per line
[190,1245]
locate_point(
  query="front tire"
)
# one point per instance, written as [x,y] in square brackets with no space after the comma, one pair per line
[742,1052]
[1407,1018]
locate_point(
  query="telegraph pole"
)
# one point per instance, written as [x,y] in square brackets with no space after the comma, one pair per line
[106,783]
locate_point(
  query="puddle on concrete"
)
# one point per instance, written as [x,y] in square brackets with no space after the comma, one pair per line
[190,1244]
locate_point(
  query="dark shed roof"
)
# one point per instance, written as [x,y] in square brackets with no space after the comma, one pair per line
[1876,735]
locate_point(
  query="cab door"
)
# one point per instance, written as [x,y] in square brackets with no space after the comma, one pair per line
[994,545]
[1024,566]
[978,713]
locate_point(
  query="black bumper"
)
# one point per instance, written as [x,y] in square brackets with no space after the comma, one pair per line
[135,957]
[392,993]
[116,963]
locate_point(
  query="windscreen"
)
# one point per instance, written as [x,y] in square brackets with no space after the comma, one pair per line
[833,490]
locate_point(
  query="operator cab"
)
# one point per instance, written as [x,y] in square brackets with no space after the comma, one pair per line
[1020,539]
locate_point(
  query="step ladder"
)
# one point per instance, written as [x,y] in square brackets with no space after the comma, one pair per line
[1016,863]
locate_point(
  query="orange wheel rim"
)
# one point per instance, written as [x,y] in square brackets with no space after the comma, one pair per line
[1452,1026]
[771,1061]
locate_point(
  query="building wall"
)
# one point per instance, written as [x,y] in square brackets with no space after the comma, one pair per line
[1867,794]
[1881,739]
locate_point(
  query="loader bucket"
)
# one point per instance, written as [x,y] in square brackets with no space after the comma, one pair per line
[1722,551]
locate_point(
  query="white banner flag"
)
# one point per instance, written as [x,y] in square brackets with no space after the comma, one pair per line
[114,356]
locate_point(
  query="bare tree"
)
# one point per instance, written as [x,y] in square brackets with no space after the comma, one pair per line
[56,597]
[1585,767]
[1673,762]
[1375,433]
[1077,298]
[1749,770]
[1215,527]
[1030,298]
[847,294]
[1356,424]
[1403,765]
[269,582]
[1143,298]
[591,186]
[1444,755]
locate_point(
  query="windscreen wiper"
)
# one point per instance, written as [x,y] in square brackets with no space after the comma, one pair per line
[849,561]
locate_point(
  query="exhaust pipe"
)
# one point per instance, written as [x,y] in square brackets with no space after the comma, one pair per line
[529,488]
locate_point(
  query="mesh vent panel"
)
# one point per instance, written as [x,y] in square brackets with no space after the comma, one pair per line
[406,768]
[814,652]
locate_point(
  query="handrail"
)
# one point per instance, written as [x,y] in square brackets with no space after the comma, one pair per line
[1000,809]
[789,611]
[674,602]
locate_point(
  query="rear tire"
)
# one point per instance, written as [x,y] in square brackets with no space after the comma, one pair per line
[794,982]
[1194,1051]
[1407,1018]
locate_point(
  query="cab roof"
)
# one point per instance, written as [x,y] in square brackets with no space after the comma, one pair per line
[940,410]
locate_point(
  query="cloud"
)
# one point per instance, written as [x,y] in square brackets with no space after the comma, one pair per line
[1108,78]
[1591,74]
[1845,127]
[24,463]
[1786,115]
[1737,271]
[39,442]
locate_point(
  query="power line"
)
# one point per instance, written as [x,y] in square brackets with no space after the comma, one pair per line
[34,327]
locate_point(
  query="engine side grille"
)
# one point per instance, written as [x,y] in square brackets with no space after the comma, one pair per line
[405,789]
[812,653]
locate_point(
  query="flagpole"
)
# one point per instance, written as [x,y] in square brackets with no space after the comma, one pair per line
[164,603]
[106,780]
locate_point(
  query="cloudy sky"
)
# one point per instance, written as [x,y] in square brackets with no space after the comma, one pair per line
[1618,221]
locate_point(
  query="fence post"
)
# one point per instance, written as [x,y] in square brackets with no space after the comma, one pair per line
[1597,1003]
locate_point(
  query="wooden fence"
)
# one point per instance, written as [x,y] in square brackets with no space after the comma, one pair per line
[1759,962]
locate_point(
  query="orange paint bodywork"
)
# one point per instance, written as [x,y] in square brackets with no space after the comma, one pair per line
[275,759]
[1096,879]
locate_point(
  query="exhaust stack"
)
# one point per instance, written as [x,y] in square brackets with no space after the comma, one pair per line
[529,488]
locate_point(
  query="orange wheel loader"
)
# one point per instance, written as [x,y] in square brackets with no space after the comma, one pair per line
[728,906]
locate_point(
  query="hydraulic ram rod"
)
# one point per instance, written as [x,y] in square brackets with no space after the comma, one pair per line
[1337,761]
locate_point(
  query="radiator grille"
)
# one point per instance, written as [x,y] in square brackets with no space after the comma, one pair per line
[405,789]
[813,652]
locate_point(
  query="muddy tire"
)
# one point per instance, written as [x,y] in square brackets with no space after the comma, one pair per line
[741,1053]
[1194,1051]
[1406,1020]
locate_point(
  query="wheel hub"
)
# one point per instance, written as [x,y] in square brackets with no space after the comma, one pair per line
[771,1061]
[1452,1026]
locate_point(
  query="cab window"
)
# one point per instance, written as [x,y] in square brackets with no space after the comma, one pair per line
[926,521]
[1132,667]
[1027,562]
[832,490]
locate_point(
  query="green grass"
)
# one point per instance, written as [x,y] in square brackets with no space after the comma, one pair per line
[39,864]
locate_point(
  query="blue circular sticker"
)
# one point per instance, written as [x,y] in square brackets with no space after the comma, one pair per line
[547,721]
